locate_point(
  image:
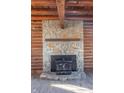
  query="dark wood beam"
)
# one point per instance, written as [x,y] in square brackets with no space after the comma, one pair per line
[61,11]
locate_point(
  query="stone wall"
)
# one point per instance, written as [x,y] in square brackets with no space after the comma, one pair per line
[73,30]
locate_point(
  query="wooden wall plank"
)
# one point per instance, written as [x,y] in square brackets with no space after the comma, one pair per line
[88,45]
[40,18]
[36,47]
[69,3]
[61,11]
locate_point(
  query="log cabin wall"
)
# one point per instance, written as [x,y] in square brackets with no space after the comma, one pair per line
[88,45]
[74,10]
[36,47]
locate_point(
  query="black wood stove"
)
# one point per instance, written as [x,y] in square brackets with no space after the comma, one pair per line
[63,64]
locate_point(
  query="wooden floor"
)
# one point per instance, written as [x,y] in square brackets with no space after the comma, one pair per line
[70,86]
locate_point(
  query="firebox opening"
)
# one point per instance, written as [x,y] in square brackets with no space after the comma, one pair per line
[63,64]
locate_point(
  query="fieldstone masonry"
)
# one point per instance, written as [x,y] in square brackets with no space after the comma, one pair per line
[72,30]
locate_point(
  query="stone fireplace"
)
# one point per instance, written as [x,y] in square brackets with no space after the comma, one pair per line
[60,44]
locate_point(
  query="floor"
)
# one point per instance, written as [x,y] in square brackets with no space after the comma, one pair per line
[71,86]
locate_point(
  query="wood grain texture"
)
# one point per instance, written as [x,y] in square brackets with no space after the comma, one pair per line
[36,47]
[47,10]
[61,11]
[68,3]
[88,45]
[68,10]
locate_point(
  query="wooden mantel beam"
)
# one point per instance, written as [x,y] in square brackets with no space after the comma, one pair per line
[61,11]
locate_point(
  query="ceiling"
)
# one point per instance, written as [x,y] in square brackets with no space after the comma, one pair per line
[62,10]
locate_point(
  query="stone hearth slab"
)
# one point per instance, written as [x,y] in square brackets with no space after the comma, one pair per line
[53,76]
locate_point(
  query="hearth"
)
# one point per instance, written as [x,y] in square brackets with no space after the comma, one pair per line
[63,64]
